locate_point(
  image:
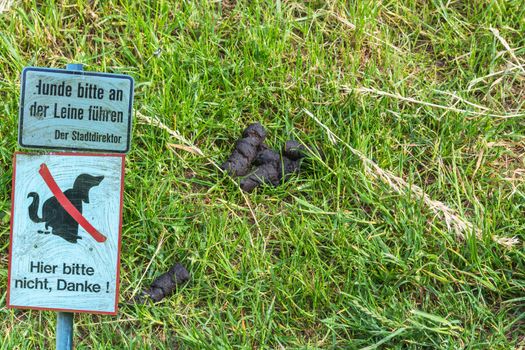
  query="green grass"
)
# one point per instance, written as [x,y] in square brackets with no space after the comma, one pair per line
[335,258]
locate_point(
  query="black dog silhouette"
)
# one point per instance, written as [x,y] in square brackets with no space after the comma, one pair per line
[55,216]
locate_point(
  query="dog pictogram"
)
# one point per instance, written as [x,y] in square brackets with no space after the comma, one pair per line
[63,212]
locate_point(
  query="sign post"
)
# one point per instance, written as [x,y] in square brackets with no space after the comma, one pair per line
[66,214]
[64,331]
[64,337]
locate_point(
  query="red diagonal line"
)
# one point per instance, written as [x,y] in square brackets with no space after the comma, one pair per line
[67,205]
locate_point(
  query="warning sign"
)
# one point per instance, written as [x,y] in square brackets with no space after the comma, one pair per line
[65,232]
[75,110]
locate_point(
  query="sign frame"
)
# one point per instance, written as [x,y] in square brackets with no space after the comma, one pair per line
[9,305]
[81,73]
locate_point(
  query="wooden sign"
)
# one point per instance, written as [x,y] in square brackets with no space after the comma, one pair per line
[75,110]
[65,232]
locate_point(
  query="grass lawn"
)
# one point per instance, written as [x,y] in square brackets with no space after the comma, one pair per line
[407,234]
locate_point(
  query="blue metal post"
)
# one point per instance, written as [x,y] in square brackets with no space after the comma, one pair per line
[75,66]
[64,330]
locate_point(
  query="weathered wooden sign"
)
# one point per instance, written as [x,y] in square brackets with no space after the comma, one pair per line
[75,110]
[65,232]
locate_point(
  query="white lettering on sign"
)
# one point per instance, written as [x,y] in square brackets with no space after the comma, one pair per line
[75,110]
[65,232]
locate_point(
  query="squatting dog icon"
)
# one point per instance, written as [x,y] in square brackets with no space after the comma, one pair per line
[55,216]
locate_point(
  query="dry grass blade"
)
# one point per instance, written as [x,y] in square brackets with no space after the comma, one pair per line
[430,104]
[507,47]
[156,122]
[461,99]
[189,149]
[482,79]
[5,5]
[159,246]
[453,220]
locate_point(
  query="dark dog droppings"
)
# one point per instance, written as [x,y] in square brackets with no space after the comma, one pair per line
[270,166]
[165,284]
[294,150]
[246,149]
[267,171]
